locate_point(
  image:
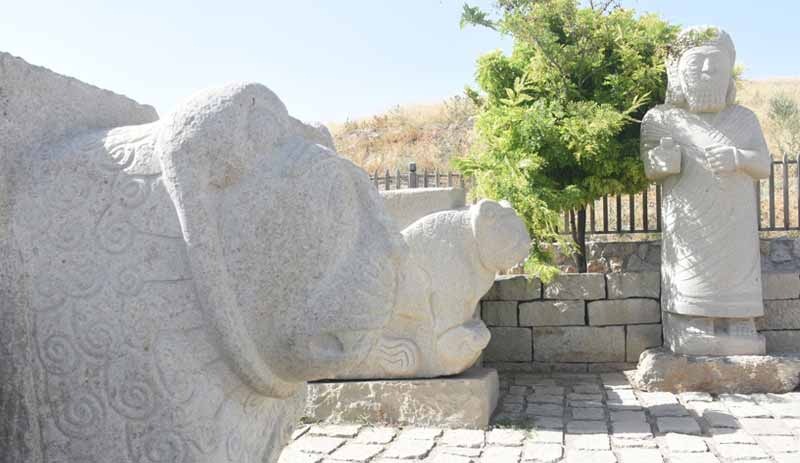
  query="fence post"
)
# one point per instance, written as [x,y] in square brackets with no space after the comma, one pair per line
[412,174]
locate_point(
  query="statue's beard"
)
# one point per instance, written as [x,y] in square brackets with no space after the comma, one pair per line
[706,97]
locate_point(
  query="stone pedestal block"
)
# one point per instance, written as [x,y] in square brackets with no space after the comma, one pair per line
[463,401]
[661,370]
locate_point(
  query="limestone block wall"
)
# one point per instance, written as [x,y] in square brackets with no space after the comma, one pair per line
[603,321]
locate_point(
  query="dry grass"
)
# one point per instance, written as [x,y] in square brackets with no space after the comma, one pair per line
[432,134]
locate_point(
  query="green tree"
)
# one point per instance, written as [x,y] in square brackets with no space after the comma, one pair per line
[558,123]
[784,113]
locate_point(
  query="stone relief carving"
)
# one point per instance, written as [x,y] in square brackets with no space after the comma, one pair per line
[435,329]
[179,280]
[707,152]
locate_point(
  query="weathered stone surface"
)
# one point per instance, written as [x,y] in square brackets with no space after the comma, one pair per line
[579,344]
[701,141]
[515,288]
[453,259]
[640,338]
[182,269]
[623,285]
[623,312]
[499,313]
[466,400]
[780,315]
[552,313]
[509,345]
[576,286]
[782,341]
[408,205]
[660,370]
[780,285]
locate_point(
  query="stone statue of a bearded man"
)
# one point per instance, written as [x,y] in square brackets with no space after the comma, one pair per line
[708,153]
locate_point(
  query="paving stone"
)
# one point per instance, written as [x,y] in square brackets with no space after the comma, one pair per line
[421,433]
[587,442]
[634,455]
[499,313]
[780,444]
[470,438]
[720,419]
[550,410]
[592,457]
[542,453]
[730,399]
[683,443]
[517,390]
[644,442]
[376,436]
[548,422]
[765,427]
[462,451]
[501,455]
[730,436]
[587,413]
[335,430]
[785,458]
[628,416]
[552,313]
[587,388]
[356,452]
[587,427]
[300,431]
[738,452]
[506,437]
[408,449]
[317,444]
[440,458]
[693,458]
[549,436]
[549,390]
[294,456]
[650,399]
[545,398]
[679,425]
[668,410]
[631,430]
[615,381]
[585,403]
[749,411]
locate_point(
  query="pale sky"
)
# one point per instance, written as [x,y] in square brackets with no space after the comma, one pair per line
[327,60]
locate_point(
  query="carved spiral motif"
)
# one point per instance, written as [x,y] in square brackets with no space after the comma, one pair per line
[135,399]
[83,278]
[164,447]
[115,236]
[132,191]
[398,356]
[128,281]
[120,157]
[82,416]
[67,234]
[48,294]
[58,355]
[96,339]
[66,196]
[234,446]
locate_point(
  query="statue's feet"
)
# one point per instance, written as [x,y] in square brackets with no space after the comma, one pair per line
[712,336]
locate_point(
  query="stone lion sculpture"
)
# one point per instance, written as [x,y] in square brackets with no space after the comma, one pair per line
[454,257]
[169,286]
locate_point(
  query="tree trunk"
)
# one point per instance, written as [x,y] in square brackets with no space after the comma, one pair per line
[578,225]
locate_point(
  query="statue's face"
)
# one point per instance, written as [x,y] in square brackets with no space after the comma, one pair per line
[314,258]
[705,74]
[502,236]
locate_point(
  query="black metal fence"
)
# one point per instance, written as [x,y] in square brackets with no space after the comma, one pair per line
[778,198]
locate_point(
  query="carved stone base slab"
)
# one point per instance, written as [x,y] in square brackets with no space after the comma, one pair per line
[661,370]
[463,401]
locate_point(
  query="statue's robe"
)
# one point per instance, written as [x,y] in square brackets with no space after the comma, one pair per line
[711,263]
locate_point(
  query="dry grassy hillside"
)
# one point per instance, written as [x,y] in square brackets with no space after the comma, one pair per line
[433,134]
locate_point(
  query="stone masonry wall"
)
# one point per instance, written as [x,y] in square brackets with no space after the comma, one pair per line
[596,322]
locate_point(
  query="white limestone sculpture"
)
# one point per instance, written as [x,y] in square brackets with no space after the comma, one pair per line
[454,257]
[708,153]
[169,287]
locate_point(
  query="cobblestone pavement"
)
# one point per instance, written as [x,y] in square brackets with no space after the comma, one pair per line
[580,418]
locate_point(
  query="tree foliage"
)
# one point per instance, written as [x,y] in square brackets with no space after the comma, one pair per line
[559,118]
[784,113]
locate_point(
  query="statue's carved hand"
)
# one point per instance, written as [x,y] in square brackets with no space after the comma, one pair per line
[663,160]
[721,159]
